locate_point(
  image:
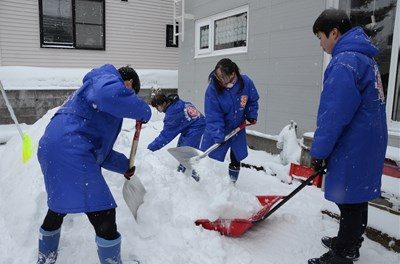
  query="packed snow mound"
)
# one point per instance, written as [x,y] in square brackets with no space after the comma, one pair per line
[172,203]
[288,142]
[41,78]
[164,231]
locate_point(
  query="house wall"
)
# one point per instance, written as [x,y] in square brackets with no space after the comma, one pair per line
[284,59]
[135,34]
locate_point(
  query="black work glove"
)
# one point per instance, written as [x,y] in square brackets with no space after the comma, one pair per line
[251,120]
[129,173]
[319,165]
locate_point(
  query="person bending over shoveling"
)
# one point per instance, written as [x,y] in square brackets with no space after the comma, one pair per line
[76,145]
[180,118]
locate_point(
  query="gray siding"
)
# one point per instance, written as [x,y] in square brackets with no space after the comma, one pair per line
[135,34]
[283,59]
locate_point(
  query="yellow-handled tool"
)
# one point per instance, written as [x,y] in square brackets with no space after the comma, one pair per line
[26,140]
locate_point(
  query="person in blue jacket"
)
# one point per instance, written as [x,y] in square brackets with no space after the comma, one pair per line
[351,134]
[76,145]
[180,118]
[231,98]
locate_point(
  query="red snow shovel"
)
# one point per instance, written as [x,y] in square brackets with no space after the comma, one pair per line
[237,227]
[302,172]
[133,190]
[189,156]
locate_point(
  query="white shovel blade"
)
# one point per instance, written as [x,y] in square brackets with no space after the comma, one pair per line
[133,192]
[185,155]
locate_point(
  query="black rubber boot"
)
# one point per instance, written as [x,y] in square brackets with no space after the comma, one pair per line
[330,257]
[352,254]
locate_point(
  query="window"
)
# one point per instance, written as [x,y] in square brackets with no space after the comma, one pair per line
[396,102]
[381,21]
[72,24]
[169,36]
[222,34]
[204,37]
[377,18]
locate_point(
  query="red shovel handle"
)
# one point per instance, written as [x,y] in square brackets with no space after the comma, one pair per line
[138,128]
[244,124]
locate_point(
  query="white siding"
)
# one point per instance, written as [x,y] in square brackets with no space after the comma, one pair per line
[135,34]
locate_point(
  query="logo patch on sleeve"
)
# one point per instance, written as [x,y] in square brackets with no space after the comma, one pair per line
[191,112]
[378,84]
[243,101]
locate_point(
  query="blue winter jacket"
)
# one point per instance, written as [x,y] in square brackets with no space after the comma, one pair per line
[79,139]
[224,112]
[351,124]
[180,118]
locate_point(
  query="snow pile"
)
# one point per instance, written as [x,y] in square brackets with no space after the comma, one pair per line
[9,131]
[287,141]
[393,153]
[165,230]
[39,78]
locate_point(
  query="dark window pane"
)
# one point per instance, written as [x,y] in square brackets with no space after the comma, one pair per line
[89,27]
[377,19]
[396,104]
[89,12]
[89,36]
[57,22]
[169,39]
[204,37]
[230,32]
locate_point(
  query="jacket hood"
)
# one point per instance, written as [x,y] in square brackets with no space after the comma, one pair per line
[105,69]
[357,41]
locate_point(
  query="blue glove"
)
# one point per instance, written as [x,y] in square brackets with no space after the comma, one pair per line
[151,147]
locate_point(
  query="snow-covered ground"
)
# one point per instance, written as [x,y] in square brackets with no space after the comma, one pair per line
[165,230]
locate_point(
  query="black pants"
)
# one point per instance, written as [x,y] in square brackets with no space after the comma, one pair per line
[353,222]
[234,164]
[103,222]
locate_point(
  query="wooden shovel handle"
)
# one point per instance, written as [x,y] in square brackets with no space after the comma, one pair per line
[135,142]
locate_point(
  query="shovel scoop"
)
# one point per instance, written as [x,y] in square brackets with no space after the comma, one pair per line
[133,190]
[189,156]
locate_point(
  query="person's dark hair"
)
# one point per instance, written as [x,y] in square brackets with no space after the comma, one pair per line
[160,98]
[330,19]
[226,66]
[128,73]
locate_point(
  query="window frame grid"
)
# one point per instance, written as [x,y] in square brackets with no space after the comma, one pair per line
[73,46]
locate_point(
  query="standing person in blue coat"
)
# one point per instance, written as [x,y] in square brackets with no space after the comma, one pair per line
[76,145]
[180,118]
[231,99]
[351,134]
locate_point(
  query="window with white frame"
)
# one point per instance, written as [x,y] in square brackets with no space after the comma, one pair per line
[223,33]
[380,19]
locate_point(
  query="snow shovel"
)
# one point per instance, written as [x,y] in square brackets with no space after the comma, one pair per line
[189,156]
[302,172]
[133,190]
[27,148]
[237,227]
